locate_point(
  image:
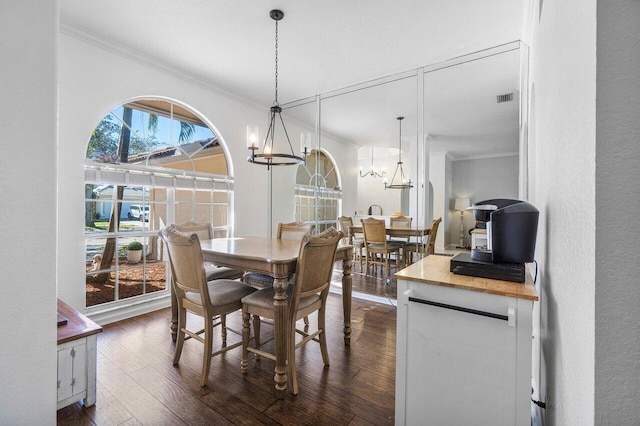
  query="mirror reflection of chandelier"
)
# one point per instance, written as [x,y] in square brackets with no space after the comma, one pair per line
[402,182]
[373,172]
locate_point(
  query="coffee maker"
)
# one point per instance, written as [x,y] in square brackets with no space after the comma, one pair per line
[512,227]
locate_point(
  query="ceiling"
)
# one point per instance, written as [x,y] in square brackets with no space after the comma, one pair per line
[328,45]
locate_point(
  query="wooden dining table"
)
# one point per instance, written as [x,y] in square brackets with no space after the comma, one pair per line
[277,258]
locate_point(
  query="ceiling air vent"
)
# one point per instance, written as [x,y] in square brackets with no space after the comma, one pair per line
[505,98]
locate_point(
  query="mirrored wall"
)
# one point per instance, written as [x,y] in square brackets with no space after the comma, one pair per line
[460,116]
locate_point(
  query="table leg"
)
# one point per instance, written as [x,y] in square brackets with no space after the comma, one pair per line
[347,285]
[281,335]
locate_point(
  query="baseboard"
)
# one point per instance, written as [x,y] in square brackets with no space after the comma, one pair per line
[118,313]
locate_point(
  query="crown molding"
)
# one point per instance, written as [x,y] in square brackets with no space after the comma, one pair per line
[483,156]
[144,59]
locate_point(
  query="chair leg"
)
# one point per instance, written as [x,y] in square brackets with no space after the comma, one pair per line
[306,322]
[223,330]
[245,340]
[182,317]
[208,347]
[256,333]
[323,336]
[291,359]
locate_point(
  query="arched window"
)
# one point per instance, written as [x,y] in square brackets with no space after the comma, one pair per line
[149,163]
[318,192]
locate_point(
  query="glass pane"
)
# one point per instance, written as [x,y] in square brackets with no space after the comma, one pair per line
[220,215]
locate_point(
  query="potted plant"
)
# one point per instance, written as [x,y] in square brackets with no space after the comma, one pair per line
[134,252]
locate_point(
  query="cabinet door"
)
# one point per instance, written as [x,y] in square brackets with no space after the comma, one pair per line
[460,366]
[65,373]
[72,369]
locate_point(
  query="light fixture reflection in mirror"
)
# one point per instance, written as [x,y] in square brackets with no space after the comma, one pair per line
[373,172]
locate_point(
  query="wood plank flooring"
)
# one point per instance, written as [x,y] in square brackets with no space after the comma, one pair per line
[137,383]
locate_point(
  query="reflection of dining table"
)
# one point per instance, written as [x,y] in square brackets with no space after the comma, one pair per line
[277,258]
[394,231]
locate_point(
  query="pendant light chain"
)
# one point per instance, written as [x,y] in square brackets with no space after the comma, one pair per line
[269,156]
[276,100]
[400,143]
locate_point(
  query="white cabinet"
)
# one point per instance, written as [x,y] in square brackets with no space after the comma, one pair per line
[463,354]
[77,352]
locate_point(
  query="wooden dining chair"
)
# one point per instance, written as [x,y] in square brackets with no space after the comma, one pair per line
[358,242]
[400,222]
[375,243]
[204,231]
[422,248]
[308,294]
[207,299]
[286,231]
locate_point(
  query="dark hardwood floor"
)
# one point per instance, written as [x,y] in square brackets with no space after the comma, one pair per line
[137,383]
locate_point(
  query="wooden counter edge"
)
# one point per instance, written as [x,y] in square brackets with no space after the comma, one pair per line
[77,326]
[434,269]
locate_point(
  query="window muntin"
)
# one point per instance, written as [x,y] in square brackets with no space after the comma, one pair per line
[318,195]
[172,169]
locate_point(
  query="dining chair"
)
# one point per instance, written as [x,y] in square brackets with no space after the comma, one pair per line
[358,242]
[422,248]
[207,299]
[375,243]
[286,231]
[308,294]
[204,231]
[400,222]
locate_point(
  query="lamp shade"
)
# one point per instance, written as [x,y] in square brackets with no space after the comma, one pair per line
[461,204]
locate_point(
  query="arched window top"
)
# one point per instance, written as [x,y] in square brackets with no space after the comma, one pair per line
[319,171]
[157,133]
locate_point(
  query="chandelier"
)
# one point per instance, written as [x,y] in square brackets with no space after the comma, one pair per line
[403,182]
[373,172]
[268,156]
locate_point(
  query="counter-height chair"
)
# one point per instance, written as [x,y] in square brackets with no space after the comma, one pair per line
[376,244]
[286,231]
[357,241]
[307,295]
[422,248]
[207,299]
[204,231]
[400,222]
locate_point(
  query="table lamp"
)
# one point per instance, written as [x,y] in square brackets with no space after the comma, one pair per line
[461,204]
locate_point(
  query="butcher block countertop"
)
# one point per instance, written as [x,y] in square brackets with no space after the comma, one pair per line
[434,270]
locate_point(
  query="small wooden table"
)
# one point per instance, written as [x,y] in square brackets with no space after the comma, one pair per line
[277,258]
[77,352]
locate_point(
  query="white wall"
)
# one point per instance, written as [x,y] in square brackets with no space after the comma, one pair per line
[480,179]
[94,78]
[617,229]
[562,166]
[28,113]
[440,175]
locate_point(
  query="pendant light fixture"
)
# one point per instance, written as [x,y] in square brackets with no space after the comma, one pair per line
[373,172]
[403,182]
[268,156]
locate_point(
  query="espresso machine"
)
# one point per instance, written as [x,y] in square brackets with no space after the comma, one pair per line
[512,227]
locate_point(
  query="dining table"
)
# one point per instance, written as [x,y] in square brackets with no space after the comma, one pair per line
[277,258]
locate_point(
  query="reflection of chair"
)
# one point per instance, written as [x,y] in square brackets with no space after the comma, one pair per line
[286,231]
[194,293]
[425,249]
[400,222]
[375,243]
[307,295]
[204,231]
[358,243]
